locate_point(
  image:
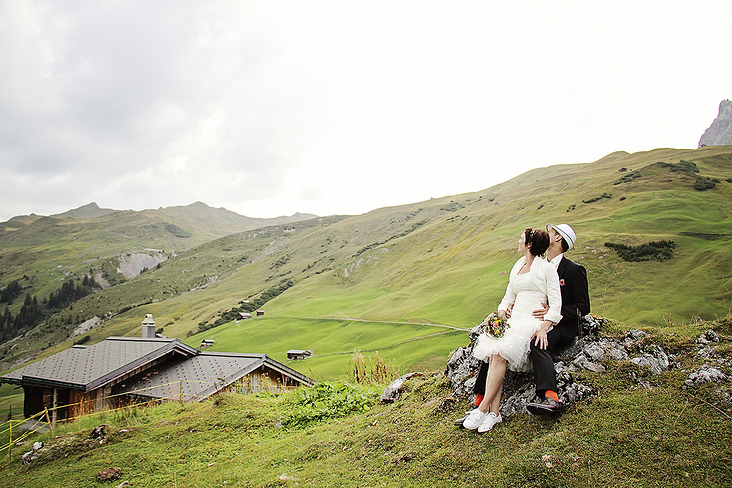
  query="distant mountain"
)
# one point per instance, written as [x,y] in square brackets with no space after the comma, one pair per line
[197,222]
[18,222]
[224,222]
[720,132]
[88,211]
[111,245]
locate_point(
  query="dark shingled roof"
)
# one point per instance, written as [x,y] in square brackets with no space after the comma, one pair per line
[86,368]
[202,375]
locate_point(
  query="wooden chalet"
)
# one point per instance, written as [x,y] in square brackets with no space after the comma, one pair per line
[299,353]
[121,370]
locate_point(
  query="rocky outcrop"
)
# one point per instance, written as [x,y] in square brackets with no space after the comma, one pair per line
[720,132]
[643,359]
[710,373]
[705,374]
[586,353]
[68,445]
[394,390]
[132,264]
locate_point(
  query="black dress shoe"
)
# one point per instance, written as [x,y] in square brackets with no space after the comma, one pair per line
[545,406]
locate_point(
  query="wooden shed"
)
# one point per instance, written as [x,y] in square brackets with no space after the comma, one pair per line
[299,353]
[120,370]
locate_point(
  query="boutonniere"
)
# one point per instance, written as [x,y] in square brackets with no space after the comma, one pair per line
[561,282]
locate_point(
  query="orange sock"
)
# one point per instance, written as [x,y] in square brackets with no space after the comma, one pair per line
[551,394]
[478,399]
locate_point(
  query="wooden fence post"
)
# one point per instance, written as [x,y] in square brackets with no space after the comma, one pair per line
[10,441]
[50,424]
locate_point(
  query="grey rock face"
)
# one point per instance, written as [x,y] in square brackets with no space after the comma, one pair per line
[720,132]
[30,456]
[633,335]
[707,337]
[705,374]
[461,366]
[516,403]
[394,390]
[708,352]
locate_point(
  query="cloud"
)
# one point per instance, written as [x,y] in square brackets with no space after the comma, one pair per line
[269,108]
[108,94]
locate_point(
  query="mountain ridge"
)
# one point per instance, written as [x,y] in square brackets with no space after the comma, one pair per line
[88,211]
[440,261]
[92,210]
[195,223]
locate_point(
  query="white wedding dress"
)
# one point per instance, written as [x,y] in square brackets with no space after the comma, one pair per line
[514,345]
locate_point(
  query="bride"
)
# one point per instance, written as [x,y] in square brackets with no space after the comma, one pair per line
[532,281]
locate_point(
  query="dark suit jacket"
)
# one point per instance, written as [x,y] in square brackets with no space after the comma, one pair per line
[575,293]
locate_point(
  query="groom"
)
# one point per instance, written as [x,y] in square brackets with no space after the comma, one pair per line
[575,305]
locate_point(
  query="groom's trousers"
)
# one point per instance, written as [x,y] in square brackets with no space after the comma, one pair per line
[559,337]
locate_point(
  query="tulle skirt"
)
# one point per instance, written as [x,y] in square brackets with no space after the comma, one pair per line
[514,345]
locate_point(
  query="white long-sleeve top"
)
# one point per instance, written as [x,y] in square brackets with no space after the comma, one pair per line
[544,275]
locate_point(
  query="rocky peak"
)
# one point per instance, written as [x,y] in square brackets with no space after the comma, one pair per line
[720,132]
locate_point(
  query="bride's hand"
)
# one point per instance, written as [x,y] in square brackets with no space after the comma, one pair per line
[540,338]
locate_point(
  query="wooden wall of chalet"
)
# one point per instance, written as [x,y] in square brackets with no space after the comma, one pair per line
[86,402]
[33,398]
[263,379]
[36,399]
[73,403]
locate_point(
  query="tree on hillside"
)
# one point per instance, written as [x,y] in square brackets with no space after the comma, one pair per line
[32,313]
[71,292]
[11,292]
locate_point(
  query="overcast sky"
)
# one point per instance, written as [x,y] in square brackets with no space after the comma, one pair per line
[269,108]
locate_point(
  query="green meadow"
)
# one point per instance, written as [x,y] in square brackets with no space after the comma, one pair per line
[625,435]
[333,341]
[387,279]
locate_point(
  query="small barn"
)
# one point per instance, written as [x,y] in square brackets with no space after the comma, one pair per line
[299,354]
[120,370]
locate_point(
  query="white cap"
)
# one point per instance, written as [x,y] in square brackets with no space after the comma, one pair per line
[565,231]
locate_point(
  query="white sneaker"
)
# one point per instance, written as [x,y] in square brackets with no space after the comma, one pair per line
[489,421]
[474,419]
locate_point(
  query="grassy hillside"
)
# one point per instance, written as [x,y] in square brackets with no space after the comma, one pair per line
[625,435]
[442,261]
[42,253]
[406,346]
[71,243]
[406,282]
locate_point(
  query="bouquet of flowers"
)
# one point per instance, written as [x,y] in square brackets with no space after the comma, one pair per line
[494,326]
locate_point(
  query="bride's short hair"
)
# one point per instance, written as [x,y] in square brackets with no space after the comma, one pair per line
[537,240]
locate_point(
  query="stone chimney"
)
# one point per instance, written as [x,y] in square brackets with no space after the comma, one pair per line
[148,327]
